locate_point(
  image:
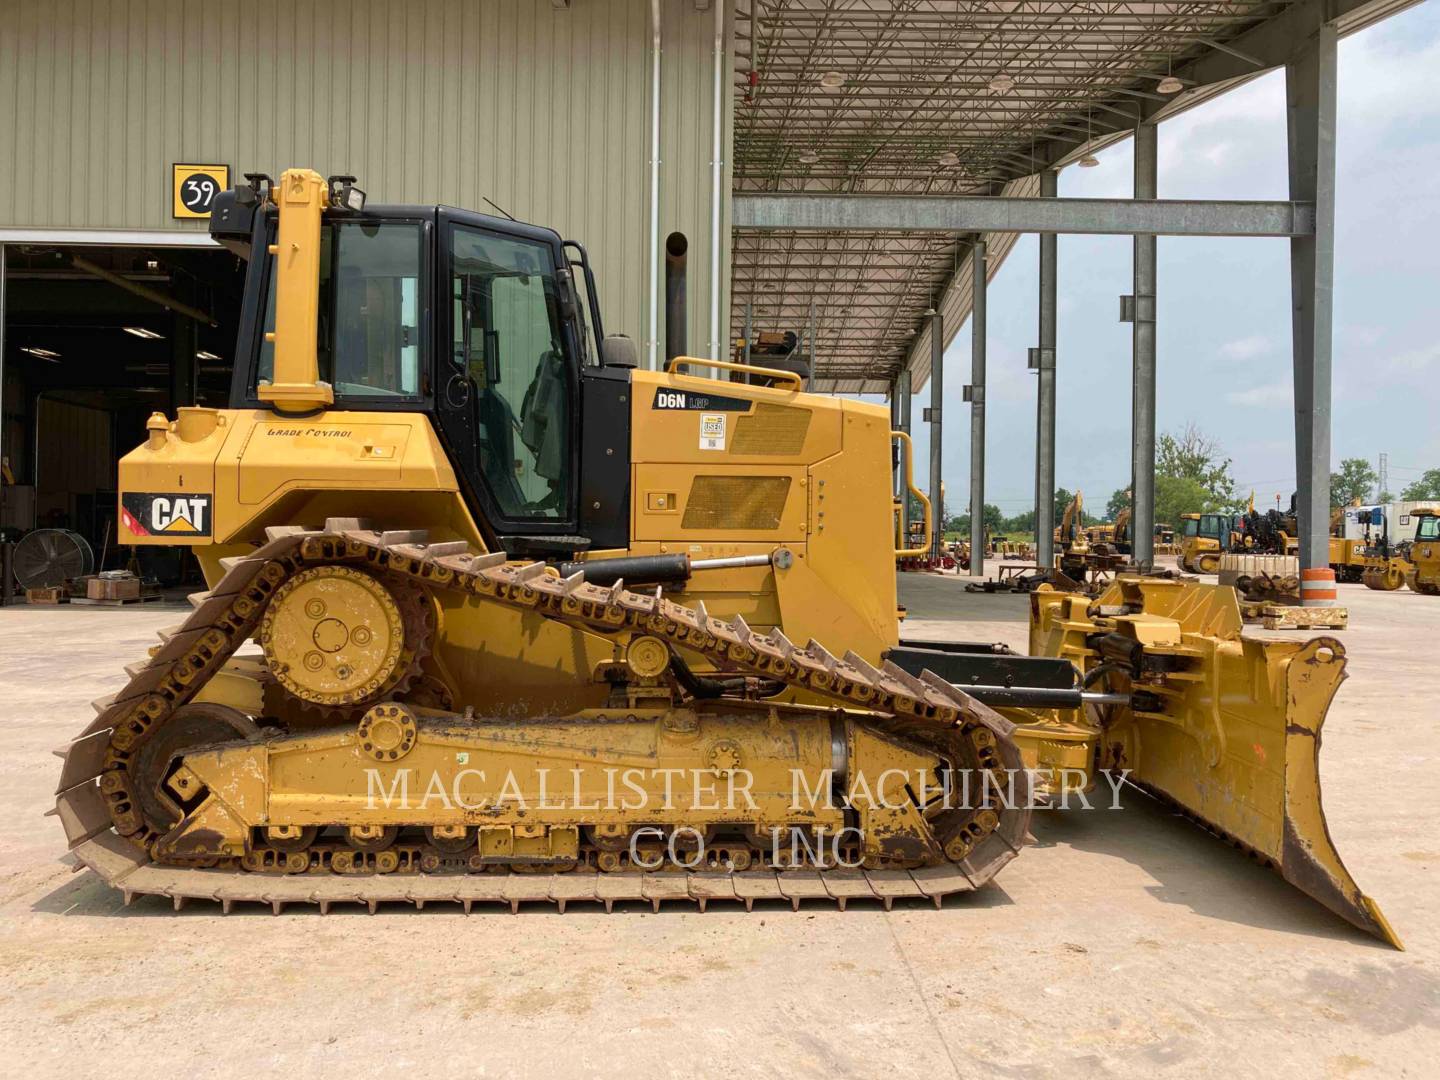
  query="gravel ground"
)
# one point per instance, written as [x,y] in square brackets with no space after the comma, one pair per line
[1124,941]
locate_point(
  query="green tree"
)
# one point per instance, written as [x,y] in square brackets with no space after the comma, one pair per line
[1176,495]
[1062,500]
[1354,482]
[1118,501]
[1020,523]
[994,521]
[1193,456]
[1427,487]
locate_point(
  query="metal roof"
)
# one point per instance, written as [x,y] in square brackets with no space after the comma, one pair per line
[959,97]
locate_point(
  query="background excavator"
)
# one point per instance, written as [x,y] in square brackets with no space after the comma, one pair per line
[496,617]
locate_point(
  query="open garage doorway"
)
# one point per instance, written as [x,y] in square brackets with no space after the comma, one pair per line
[96,338]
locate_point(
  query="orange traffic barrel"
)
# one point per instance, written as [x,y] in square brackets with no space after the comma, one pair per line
[1317,587]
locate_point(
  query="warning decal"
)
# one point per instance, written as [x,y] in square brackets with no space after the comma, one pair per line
[712,431]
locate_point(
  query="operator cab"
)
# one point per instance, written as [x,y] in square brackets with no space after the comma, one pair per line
[1215,526]
[477,321]
[1427,524]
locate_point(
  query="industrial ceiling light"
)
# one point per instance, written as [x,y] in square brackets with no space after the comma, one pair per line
[1088,161]
[832,80]
[43,354]
[1169,84]
[809,157]
[205,354]
[142,332]
[949,158]
[1002,82]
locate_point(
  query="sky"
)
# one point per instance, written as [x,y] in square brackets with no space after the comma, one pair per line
[1223,321]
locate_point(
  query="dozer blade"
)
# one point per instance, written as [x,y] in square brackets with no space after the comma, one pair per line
[1226,728]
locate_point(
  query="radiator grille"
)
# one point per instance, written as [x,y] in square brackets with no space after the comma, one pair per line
[771,429]
[736,502]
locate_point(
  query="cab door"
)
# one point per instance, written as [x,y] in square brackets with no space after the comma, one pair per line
[507,374]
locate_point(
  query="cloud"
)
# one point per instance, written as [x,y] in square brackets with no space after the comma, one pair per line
[1269,396]
[1247,348]
[1414,361]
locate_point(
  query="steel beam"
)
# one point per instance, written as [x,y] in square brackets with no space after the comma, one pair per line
[978,265]
[934,414]
[1216,71]
[1045,394]
[1310,88]
[108,237]
[1142,426]
[985,213]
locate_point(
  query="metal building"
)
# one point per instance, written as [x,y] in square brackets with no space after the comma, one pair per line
[608,121]
[864,158]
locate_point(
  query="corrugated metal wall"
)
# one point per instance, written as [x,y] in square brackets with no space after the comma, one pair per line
[545,111]
[686,106]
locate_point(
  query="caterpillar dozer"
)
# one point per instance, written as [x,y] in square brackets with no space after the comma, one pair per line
[1204,537]
[496,617]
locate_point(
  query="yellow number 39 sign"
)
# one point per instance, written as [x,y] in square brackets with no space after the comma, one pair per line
[194,188]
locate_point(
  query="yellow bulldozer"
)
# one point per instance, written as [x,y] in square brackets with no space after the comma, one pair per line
[1203,538]
[496,617]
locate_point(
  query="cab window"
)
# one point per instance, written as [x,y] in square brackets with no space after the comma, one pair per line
[1192,527]
[368,335]
[508,344]
[1428,528]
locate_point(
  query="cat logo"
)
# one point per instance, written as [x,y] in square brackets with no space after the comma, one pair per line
[151,514]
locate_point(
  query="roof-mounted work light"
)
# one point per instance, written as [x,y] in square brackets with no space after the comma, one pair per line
[344,195]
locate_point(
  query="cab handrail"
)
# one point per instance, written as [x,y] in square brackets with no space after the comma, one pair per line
[729,365]
[910,488]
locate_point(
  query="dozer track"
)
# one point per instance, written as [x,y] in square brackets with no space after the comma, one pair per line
[108,832]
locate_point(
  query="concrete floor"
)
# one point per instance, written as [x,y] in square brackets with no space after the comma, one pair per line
[1123,942]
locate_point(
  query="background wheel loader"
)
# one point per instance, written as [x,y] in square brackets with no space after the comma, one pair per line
[496,617]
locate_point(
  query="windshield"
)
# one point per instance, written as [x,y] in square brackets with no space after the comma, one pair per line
[1427,528]
[368,338]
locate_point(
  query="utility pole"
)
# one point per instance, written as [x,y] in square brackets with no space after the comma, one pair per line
[1384,472]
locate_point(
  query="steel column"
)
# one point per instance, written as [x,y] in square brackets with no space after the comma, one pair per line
[978,265]
[934,415]
[902,423]
[5,586]
[1142,426]
[1045,395]
[905,393]
[1310,87]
